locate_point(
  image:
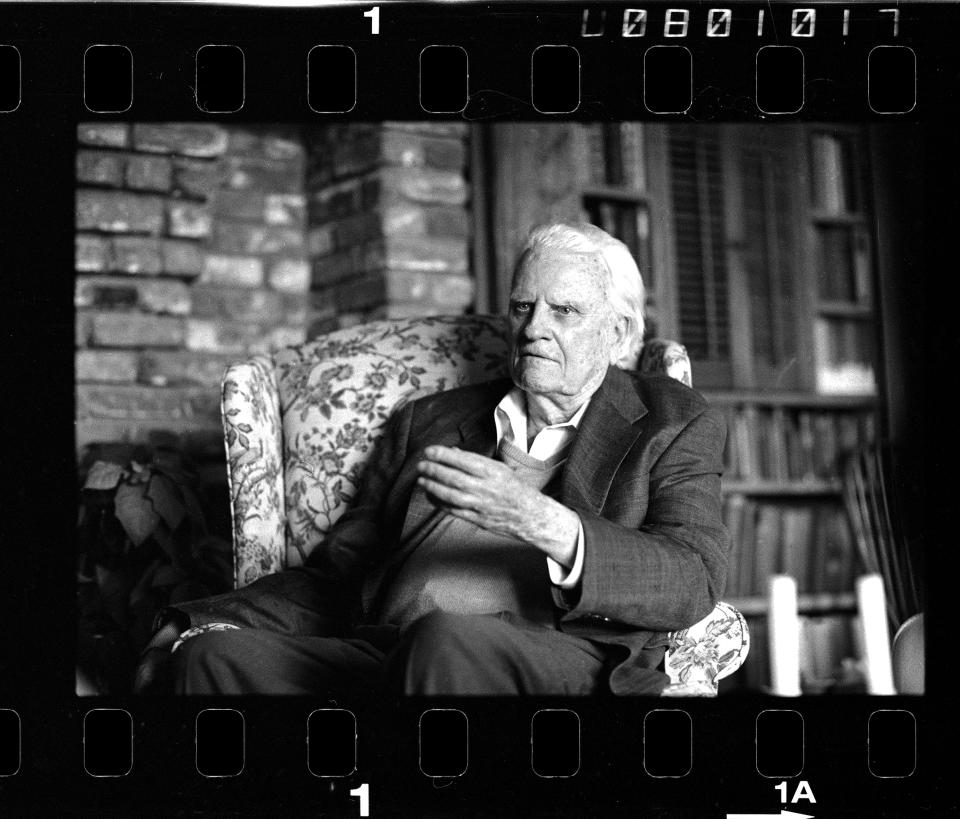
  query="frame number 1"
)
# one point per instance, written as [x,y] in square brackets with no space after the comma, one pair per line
[374,15]
[364,790]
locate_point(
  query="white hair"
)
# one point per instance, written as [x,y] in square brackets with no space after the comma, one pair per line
[622,282]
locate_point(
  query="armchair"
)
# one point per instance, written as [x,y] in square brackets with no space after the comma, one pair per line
[299,426]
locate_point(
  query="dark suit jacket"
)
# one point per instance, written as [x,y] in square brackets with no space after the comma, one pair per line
[643,474]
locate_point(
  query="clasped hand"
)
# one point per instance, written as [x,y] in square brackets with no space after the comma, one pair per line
[487,493]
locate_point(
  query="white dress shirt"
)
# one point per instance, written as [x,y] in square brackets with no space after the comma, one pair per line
[510,417]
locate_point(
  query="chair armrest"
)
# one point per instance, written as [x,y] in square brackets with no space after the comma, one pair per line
[661,355]
[706,652]
[250,408]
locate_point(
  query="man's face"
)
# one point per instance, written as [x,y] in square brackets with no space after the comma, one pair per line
[563,330]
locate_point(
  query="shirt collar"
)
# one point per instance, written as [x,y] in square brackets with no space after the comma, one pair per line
[511,415]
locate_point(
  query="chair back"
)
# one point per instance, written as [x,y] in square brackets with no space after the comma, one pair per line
[337,392]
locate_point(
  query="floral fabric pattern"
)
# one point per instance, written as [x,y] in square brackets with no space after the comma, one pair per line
[705,653]
[663,356]
[253,437]
[300,425]
[337,392]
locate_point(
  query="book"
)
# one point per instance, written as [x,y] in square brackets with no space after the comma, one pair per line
[761,436]
[745,423]
[815,662]
[746,571]
[825,643]
[807,445]
[731,463]
[848,433]
[825,445]
[796,468]
[733,509]
[777,442]
[768,540]
[795,548]
[837,560]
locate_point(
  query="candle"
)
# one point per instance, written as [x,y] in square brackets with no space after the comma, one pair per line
[876,637]
[784,636]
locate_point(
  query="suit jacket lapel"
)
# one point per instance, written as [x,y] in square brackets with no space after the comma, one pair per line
[478,433]
[608,429]
[475,433]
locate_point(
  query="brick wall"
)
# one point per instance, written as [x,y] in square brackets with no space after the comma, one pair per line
[189,253]
[198,244]
[388,222]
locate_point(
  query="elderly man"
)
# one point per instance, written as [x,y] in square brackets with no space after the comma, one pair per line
[538,537]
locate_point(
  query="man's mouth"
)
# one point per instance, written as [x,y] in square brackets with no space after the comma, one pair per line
[531,354]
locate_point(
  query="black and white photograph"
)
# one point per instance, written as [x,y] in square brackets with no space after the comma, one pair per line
[337,273]
[455,409]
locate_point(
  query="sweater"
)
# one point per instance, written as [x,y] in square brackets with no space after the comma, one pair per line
[461,568]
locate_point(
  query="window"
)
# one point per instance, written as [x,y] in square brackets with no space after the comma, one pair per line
[764,248]
[701,273]
[752,240]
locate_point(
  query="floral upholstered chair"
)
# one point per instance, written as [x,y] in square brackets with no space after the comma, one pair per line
[300,425]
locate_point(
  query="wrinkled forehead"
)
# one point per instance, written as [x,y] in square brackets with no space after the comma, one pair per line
[557,266]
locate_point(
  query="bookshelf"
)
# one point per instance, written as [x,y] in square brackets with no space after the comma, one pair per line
[790,399]
[783,256]
[817,604]
[755,245]
[795,489]
[783,505]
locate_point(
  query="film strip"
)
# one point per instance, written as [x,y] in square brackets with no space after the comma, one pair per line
[747,756]
[747,62]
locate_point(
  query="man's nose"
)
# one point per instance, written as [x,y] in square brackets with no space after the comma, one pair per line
[537,323]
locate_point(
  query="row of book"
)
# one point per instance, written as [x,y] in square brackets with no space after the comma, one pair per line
[830,653]
[811,541]
[791,444]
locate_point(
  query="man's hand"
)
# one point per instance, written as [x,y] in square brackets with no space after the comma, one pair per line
[488,493]
[152,675]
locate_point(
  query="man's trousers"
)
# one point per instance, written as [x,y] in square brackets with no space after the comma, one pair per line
[439,654]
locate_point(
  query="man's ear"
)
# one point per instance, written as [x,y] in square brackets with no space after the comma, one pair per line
[620,329]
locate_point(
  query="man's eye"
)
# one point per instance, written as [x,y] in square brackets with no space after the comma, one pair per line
[565,310]
[521,307]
